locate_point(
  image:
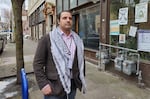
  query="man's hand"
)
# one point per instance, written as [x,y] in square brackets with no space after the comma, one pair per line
[46,89]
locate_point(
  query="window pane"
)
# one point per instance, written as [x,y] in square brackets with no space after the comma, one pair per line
[80,2]
[73,3]
[59,6]
[41,15]
[66,4]
[130,41]
[89,25]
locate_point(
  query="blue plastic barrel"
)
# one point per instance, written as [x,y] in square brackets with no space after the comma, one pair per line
[24,85]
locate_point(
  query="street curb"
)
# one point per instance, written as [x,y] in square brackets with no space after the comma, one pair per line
[1,78]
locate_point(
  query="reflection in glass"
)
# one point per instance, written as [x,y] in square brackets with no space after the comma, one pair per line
[89,25]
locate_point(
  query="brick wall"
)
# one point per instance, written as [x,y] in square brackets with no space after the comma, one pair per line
[145,68]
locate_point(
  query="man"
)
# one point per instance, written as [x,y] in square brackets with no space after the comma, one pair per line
[59,61]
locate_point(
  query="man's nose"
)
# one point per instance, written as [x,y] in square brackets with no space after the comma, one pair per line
[68,19]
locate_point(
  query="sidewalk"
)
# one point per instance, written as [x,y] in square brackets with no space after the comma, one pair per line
[8,66]
[100,85]
[8,58]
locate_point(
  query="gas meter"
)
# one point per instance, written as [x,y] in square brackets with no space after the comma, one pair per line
[129,67]
[104,56]
[119,63]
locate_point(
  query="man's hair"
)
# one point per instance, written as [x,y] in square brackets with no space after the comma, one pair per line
[59,14]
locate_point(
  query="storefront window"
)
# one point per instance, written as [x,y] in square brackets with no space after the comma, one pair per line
[89,25]
[40,12]
[66,4]
[130,25]
[80,2]
[73,4]
[59,6]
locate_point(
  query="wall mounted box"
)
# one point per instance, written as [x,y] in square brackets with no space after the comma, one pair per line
[129,67]
[118,63]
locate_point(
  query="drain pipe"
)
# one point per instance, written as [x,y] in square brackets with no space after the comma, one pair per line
[138,64]
[140,77]
[140,83]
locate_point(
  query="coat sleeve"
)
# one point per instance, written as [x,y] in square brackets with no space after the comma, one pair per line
[39,62]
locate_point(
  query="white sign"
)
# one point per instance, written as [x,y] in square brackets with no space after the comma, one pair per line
[123,16]
[122,38]
[141,10]
[144,40]
[132,31]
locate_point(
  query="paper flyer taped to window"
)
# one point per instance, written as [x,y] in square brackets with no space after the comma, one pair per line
[123,16]
[141,12]
[132,31]
[114,27]
[144,40]
[122,38]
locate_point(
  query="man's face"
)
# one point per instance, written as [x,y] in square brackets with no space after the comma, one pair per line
[65,21]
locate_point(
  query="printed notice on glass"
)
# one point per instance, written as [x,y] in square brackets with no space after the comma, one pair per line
[114,27]
[122,38]
[123,16]
[132,31]
[144,40]
[141,11]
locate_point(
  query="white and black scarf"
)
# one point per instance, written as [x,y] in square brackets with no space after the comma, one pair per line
[61,58]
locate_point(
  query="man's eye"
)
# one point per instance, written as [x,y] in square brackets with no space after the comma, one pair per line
[70,18]
[64,17]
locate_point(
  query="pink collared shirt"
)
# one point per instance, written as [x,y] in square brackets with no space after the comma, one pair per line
[69,41]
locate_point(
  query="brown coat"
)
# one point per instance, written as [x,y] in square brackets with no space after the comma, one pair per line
[45,70]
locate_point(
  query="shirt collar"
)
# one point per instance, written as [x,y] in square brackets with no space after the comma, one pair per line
[63,34]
